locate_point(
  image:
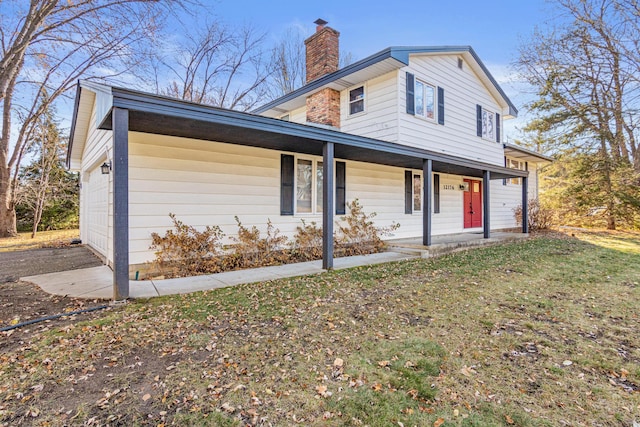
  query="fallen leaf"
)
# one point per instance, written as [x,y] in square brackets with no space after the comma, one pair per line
[384,363]
[146,397]
[438,422]
[508,419]
[338,362]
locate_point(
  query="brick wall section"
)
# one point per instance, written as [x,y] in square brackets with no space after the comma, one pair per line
[324,107]
[322,57]
[323,53]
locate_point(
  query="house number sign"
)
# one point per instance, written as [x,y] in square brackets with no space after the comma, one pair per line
[448,187]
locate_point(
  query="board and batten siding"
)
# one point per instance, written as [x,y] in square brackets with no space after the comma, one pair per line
[463,90]
[96,217]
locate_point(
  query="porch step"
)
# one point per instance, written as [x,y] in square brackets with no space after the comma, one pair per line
[456,244]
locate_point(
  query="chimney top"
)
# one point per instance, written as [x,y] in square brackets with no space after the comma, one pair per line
[320,24]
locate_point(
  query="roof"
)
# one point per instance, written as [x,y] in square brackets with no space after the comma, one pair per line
[155,114]
[523,153]
[389,59]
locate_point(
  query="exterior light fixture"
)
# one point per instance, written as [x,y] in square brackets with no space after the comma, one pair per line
[106,167]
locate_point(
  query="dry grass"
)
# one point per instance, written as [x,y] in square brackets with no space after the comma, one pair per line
[43,239]
[541,332]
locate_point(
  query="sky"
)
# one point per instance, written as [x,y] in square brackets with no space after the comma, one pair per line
[494,28]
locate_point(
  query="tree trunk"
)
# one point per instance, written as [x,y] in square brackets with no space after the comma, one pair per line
[7,212]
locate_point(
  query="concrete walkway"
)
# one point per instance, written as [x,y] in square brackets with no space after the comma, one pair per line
[97,282]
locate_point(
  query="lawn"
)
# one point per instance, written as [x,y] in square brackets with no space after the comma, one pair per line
[542,332]
[43,239]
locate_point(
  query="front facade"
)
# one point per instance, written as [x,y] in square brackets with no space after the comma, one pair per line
[413,133]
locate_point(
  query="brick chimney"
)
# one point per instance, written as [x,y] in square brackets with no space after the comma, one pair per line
[322,52]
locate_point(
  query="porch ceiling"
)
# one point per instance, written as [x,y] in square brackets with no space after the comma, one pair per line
[166,116]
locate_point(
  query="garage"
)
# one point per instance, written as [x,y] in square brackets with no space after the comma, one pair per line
[96,227]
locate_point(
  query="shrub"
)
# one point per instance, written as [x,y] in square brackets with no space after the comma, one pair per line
[185,251]
[307,242]
[250,250]
[539,216]
[358,235]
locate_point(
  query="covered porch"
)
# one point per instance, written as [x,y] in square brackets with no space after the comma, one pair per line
[123,111]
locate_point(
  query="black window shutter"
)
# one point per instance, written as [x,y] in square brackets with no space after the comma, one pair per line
[286,184]
[504,180]
[408,192]
[436,193]
[341,188]
[440,105]
[411,102]
[479,120]
[497,127]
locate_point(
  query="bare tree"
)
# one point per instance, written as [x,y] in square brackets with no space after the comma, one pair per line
[588,92]
[46,46]
[288,71]
[217,66]
[45,182]
[288,63]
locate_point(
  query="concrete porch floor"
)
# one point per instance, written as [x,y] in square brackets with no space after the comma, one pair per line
[447,243]
[97,282]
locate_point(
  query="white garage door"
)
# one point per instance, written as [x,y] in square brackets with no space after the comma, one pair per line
[97,212]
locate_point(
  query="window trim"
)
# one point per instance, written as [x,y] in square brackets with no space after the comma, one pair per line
[521,165]
[413,192]
[314,185]
[491,114]
[434,100]
[364,100]
[339,209]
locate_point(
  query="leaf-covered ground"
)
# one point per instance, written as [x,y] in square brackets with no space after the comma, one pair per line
[541,332]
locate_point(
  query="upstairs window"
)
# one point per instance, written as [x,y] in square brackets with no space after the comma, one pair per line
[356,100]
[488,124]
[424,100]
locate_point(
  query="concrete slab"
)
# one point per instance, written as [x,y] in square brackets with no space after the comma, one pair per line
[94,282]
[97,282]
[360,260]
[185,285]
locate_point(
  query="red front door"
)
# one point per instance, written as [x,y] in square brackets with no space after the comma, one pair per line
[472,204]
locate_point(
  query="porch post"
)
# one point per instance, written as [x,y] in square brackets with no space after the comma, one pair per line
[327,206]
[486,183]
[120,171]
[427,167]
[525,205]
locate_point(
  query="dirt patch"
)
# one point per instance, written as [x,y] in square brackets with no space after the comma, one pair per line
[22,301]
[14,265]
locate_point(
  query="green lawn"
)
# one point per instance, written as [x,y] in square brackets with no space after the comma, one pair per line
[541,332]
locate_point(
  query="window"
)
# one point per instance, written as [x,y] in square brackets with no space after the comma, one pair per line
[356,100]
[308,186]
[488,124]
[301,186]
[424,100]
[417,193]
[516,164]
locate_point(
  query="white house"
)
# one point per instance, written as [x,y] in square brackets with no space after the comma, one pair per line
[414,133]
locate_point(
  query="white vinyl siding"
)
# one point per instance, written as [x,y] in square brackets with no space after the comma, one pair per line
[505,198]
[464,90]
[380,118]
